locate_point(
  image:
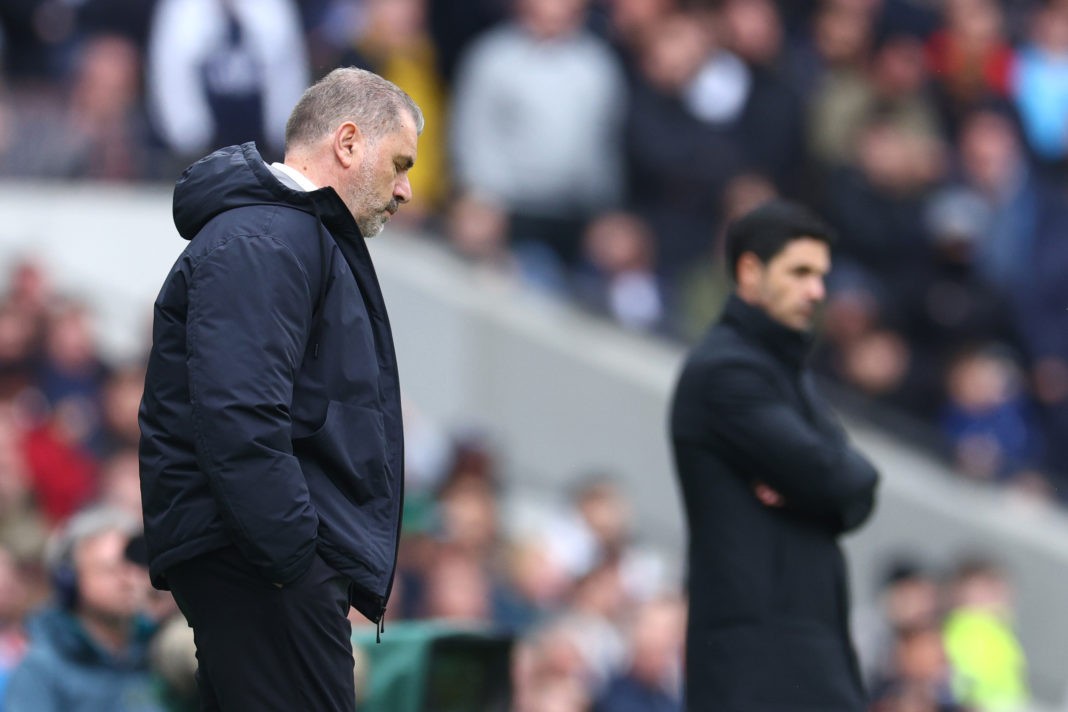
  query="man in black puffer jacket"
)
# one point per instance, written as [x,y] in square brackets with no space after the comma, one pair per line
[770,482]
[271,446]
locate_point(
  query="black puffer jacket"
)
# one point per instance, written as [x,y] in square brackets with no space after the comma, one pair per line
[271,418]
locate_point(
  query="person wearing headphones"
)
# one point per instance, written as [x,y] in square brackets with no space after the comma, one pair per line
[89,650]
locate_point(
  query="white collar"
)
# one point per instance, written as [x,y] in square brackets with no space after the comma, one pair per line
[298,177]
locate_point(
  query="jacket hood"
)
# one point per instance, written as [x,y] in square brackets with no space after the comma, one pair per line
[232,177]
[61,631]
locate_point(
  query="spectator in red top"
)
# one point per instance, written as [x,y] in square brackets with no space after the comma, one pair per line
[970,59]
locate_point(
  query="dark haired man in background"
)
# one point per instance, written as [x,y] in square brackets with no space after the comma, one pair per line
[770,482]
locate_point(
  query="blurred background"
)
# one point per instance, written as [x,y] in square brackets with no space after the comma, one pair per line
[580,161]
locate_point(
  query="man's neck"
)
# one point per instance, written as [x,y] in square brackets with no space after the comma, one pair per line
[298,175]
[111,634]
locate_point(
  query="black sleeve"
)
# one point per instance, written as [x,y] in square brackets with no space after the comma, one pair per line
[768,440]
[250,306]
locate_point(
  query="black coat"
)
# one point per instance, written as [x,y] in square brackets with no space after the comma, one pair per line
[768,629]
[271,418]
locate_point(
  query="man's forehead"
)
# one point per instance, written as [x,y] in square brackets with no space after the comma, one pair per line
[805,249]
[404,141]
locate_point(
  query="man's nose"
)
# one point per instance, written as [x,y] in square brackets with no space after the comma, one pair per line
[402,189]
[817,290]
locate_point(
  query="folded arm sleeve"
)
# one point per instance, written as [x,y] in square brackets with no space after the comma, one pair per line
[816,472]
[250,309]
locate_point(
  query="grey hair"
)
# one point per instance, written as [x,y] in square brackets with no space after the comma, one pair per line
[86,524]
[350,94]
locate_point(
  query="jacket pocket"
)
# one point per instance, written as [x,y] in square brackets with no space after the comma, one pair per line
[349,451]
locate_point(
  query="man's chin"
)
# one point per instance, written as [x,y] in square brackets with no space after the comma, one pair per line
[373,229]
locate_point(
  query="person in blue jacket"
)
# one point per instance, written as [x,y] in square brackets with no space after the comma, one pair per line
[89,651]
[271,446]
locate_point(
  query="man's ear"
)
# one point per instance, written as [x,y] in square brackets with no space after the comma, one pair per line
[348,144]
[749,271]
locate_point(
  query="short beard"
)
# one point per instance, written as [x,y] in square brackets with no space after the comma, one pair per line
[371,225]
[369,218]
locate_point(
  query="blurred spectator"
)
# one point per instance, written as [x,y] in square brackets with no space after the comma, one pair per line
[18,345]
[23,529]
[29,291]
[173,657]
[994,165]
[892,88]
[536,585]
[970,57]
[95,128]
[987,420]
[71,367]
[456,23]
[62,469]
[652,678]
[12,608]
[120,482]
[128,18]
[961,305]
[120,399]
[1040,308]
[878,207]
[223,72]
[551,672]
[477,228]
[909,598]
[920,681]
[595,614]
[771,125]
[535,121]
[458,588]
[392,39]
[1040,85]
[836,45]
[627,21]
[681,152]
[989,669]
[701,292]
[621,278]
[594,537]
[88,652]
[38,34]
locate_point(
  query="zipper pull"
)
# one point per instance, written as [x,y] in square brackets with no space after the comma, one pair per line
[381,627]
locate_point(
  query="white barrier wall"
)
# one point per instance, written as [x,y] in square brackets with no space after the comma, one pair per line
[560,392]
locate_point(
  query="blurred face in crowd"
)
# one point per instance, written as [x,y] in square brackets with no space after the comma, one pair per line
[975,23]
[376,183]
[754,28]
[790,286]
[842,33]
[110,588]
[548,19]
[657,640]
[1050,28]
[673,51]
[990,152]
[629,17]
[70,342]
[108,77]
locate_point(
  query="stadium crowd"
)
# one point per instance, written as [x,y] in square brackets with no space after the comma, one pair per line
[595,150]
